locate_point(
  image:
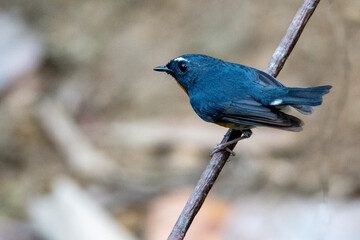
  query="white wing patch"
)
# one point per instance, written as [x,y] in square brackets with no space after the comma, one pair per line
[181,59]
[276,102]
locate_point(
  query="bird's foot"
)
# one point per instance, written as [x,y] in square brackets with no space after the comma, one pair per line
[225,146]
[222,147]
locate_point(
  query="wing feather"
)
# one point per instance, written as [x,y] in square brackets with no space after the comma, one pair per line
[249,112]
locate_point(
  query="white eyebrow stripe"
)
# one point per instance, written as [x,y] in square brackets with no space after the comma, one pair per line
[181,59]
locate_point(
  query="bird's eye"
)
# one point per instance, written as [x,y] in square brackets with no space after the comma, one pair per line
[182,66]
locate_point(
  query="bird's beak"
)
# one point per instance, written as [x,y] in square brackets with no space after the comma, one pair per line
[162,69]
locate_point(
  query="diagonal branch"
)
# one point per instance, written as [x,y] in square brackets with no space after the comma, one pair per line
[291,37]
[219,159]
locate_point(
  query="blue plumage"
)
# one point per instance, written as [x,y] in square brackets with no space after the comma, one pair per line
[240,97]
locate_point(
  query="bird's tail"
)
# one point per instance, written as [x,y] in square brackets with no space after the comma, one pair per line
[303,98]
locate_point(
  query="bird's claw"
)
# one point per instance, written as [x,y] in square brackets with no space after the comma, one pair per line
[222,147]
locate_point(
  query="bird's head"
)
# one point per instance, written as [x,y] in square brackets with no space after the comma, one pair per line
[189,69]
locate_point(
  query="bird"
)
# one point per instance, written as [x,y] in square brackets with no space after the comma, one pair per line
[240,97]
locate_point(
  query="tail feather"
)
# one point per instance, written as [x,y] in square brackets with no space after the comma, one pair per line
[304,109]
[303,98]
[306,96]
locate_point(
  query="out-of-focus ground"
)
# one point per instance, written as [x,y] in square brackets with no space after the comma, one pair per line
[96,145]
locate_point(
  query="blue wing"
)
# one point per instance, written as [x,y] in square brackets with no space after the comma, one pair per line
[247,113]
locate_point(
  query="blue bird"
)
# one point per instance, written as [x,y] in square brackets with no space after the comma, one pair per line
[240,97]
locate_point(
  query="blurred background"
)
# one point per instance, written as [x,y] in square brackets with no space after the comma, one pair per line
[96,145]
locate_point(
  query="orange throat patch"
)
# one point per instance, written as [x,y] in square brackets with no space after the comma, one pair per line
[182,88]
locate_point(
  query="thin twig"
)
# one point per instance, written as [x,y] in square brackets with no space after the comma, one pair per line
[291,37]
[219,159]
